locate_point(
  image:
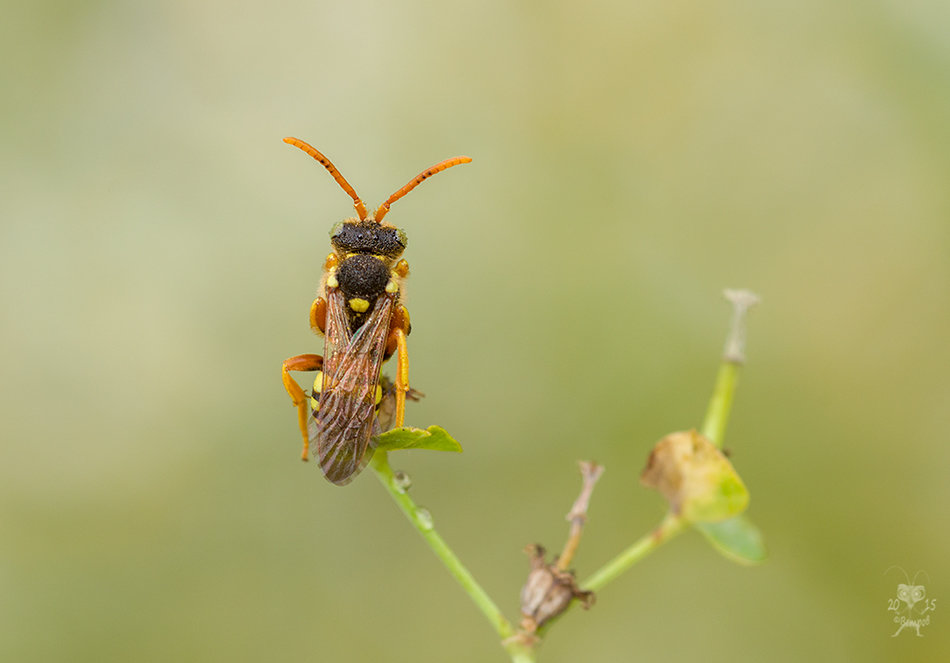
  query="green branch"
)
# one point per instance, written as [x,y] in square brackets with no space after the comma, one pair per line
[714,428]
[670,527]
[521,645]
[422,521]
[717,414]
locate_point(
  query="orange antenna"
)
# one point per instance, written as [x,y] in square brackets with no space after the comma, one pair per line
[316,154]
[416,181]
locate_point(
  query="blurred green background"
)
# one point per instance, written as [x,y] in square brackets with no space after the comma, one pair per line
[160,247]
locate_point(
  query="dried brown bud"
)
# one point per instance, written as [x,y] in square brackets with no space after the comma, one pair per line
[547,592]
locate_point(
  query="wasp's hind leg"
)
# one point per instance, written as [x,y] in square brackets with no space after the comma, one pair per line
[297,395]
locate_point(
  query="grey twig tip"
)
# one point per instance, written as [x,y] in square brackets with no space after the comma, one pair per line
[590,473]
[577,516]
[742,301]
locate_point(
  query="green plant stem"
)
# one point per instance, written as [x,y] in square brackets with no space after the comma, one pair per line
[717,414]
[422,521]
[520,654]
[714,428]
[670,527]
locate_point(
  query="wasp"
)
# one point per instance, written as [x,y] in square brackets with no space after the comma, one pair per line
[359,312]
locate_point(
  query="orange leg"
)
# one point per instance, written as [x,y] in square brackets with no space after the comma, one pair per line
[297,395]
[318,316]
[400,320]
[402,376]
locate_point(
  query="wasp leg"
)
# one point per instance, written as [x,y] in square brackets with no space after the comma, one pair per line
[318,316]
[402,268]
[402,376]
[400,320]
[399,328]
[297,395]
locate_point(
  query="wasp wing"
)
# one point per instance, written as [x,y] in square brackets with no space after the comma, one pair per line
[341,430]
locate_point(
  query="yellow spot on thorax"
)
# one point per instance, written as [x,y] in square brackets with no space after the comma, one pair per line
[359,305]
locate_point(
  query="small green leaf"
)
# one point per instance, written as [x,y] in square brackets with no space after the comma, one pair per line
[737,539]
[434,437]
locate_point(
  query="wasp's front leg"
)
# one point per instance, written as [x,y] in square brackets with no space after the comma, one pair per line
[297,395]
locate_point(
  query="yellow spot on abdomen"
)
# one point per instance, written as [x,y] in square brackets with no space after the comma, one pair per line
[359,305]
[317,389]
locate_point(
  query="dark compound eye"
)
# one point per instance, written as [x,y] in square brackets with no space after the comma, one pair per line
[390,240]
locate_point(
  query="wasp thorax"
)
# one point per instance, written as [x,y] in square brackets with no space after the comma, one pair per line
[362,275]
[368,237]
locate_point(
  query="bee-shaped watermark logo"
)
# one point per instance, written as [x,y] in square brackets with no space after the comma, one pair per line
[911,607]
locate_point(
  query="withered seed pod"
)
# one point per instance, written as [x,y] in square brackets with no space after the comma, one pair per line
[547,592]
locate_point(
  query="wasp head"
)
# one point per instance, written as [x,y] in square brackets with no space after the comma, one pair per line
[377,239]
